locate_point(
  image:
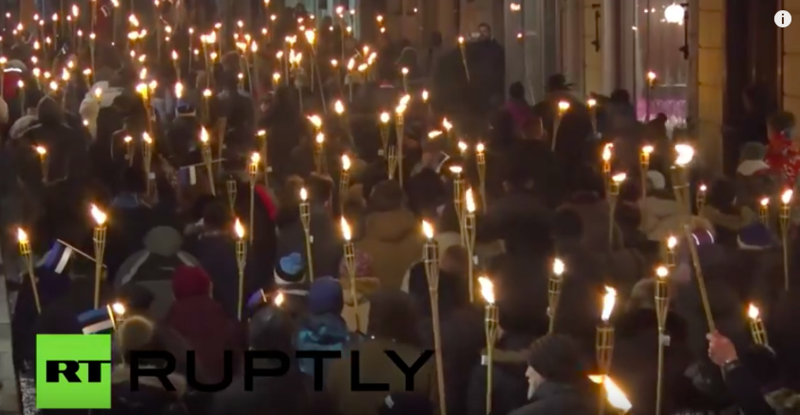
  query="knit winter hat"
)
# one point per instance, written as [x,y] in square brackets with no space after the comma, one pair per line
[291,269]
[755,237]
[190,282]
[557,358]
[135,333]
[325,297]
[406,403]
[753,151]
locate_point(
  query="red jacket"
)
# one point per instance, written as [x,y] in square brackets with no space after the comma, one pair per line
[784,159]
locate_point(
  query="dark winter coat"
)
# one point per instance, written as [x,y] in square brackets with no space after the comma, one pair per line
[552,398]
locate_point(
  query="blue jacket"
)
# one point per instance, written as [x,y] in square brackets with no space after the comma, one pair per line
[327,332]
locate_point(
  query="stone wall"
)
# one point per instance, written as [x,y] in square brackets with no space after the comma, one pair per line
[709,18]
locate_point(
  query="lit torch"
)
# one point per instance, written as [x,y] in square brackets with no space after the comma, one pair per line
[305,219]
[785,213]
[757,326]
[252,172]
[554,292]
[431,262]
[25,252]
[99,239]
[241,262]
[350,263]
[604,340]
[662,306]
[763,211]
[205,146]
[469,237]
[490,327]
[563,107]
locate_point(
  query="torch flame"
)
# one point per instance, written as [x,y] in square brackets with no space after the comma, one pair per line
[303,194]
[752,312]
[385,117]
[446,124]
[607,152]
[278,299]
[316,121]
[320,138]
[609,299]
[427,229]
[619,177]
[434,134]
[41,150]
[239,229]
[204,135]
[662,272]
[672,242]
[685,154]
[345,162]
[703,188]
[456,169]
[765,201]
[647,149]
[563,106]
[462,146]
[487,289]
[22,237]
[470,201]
[786,197]
[346,230]
[596,379]
[255,158]
[558,267]
[424,94]
[616,397]
[147,138]
[480,148]
[118,308]
[591,102]
[98,215]
[338,107]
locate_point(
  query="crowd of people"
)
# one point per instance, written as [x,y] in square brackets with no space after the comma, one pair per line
[124,138]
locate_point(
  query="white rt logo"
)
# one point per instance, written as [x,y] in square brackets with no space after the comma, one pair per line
[783,19]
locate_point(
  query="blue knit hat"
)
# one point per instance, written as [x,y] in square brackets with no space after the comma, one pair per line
[325,297]
[291,269]
[755,237]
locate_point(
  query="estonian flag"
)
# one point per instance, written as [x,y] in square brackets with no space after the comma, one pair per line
[57,258]
[96,321]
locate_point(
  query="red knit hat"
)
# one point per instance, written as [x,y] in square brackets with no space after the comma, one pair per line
[190,282]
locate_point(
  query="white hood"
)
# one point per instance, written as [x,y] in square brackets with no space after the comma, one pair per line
[751,167]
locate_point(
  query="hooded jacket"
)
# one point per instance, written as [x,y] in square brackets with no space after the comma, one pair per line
[154,265]
[394,242]
[202,322]
[216,253]
[133,219]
